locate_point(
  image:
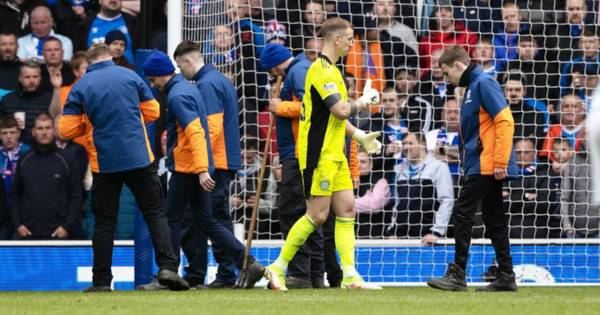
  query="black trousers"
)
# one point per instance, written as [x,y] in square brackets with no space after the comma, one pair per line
[308,262]
[194,241]
[488,191]
[106,190]
[185,189]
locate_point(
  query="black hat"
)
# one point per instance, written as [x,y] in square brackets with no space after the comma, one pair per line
[113,36]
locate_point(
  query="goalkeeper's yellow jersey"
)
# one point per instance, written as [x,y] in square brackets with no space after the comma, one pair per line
[321,135]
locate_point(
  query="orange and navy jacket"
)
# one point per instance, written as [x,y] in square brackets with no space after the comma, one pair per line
[288,112]
[486,126]
[116,104]
[222,113]
[188,143]
[81,140]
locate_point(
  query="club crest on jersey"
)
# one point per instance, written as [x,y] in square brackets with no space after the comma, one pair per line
[324,184]
[330,87]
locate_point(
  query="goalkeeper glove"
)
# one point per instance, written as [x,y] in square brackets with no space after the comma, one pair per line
[369,96]
[369,141]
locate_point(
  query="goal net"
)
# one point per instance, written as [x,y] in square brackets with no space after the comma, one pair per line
[545,55]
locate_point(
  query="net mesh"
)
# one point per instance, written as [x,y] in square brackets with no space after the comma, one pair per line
[543,53]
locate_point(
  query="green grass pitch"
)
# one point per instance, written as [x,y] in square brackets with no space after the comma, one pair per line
[529,300]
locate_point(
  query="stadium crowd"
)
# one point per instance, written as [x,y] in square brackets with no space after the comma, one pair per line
[545,54]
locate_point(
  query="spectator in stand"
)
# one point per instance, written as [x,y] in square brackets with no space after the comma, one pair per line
[444,31]
[527,198]
[426,101]
[507,33]
[406,79]
[9,63]
[94,28]
[572,117]
[424,196]
[483,55]
[530,115]
[373,199]
[375,54]
[10,151]
[257,13]
[476,14]
[542,76]
[386,12]
[312,18]
[313,45]
[220,50]
[443,141]
[580,216]
[14,16]
[244,186]
[589,44]
[117,42]
[27,101]
[250,45]
[47,193]
[393,128]
[563,39]
[31,45]
[69,14]
[583,82]
[53,62]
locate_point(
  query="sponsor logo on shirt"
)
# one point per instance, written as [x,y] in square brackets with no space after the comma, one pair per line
[330,87]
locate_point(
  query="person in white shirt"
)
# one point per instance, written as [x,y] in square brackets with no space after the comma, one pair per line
[31,45]
[443,142]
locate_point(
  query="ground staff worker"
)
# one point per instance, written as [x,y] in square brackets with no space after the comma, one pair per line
[487,158]
[117,103]
[222,114]
[189,158]
[307,268]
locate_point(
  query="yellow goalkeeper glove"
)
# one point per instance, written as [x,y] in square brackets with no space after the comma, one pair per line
[369,141]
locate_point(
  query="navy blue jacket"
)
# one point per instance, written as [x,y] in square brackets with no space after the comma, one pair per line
[288,113]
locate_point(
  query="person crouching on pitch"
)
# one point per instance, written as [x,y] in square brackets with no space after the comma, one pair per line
[487,159]
[189,158]
[323,164]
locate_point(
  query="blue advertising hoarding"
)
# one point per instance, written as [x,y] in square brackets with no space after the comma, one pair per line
[50,267]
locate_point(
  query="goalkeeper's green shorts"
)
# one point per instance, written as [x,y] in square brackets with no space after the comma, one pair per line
[327,178]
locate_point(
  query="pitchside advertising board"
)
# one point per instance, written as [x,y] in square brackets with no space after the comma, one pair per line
[68,266]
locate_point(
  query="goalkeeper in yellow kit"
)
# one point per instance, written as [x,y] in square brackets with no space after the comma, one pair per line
[321,140]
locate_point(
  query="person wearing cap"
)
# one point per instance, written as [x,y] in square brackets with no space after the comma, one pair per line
[190,160]
[116,103]
[117,42]
[307,267]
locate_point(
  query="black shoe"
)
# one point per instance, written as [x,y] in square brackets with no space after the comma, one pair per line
[172,280]
[220,284]
[253,272]
[152,286]
[318,283]
[504,282]
[297,283]
[97,289]
[490,274]
[454,280]
[194,282]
